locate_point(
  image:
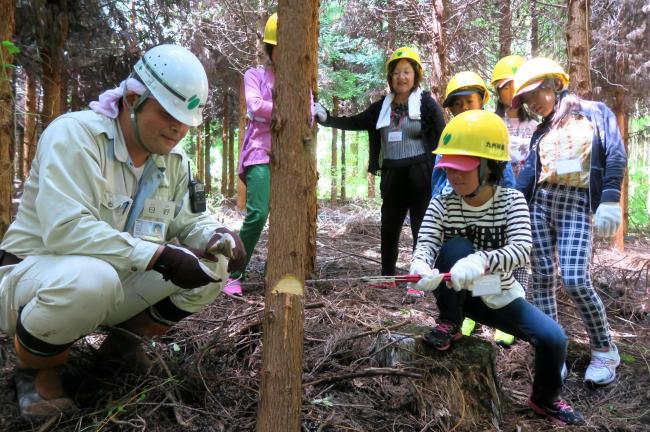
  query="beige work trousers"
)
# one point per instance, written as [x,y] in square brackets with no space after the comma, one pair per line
[67,297]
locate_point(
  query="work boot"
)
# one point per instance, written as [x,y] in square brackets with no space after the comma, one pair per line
[38,384]
[122,350]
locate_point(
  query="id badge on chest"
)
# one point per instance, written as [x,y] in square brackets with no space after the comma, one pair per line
[568,166]
[153,222]
[395,136]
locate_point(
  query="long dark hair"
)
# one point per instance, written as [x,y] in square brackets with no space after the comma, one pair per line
[496,170]
[566,104]
[522,113]
[268,48]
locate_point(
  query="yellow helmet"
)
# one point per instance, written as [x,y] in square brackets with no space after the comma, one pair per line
[506,68]
[465,82]
[271,30]
[477,133]
[533,72]
[407,53]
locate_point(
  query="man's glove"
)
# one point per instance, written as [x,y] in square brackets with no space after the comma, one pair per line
[467,270]
[228,244]
[431,278]
[320,112]
[607,219]
[182,267]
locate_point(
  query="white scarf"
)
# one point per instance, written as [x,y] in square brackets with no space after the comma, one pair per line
[414,108]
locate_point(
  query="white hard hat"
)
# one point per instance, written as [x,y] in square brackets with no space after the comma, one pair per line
[177,80]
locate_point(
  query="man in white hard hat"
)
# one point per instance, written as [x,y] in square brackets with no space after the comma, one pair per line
[91,245]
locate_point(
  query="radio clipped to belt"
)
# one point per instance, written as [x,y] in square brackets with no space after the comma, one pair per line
[197,192]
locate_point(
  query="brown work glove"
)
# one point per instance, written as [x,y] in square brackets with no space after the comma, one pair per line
[182,267]
[228,244]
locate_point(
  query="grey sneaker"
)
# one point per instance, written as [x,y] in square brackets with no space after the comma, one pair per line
[602,368]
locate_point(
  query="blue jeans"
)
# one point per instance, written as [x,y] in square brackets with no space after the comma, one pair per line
[519,318]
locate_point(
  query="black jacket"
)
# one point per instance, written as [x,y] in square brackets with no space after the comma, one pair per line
[432,122]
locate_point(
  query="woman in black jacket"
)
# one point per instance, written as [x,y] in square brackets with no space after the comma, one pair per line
[403,128]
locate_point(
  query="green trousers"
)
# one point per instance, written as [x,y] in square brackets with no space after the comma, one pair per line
[258,192]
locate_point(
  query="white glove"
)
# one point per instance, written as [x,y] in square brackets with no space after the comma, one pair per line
[431,278]
[467,270]
[607,219]
[224,246]
[320,112]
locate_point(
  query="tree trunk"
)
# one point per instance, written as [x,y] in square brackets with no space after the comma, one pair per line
[312,170]
[207,177]
[505,29]
[439,66]
[371,186]
[30,119]
[75,99]
[241,186]
[578,43]
[231,159]
[224,144]
[7,27]
[534,33]
[199,150]
[63,94]
[335,158]
[343,167]
[18,152]
[51,42]
[354,153]
[290,220]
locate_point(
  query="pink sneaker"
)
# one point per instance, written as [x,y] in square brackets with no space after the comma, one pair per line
[412,292]
[233,287]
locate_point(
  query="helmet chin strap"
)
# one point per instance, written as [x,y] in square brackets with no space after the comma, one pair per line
[482,179]
[133,109]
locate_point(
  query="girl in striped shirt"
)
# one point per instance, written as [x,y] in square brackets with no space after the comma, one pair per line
[479,234]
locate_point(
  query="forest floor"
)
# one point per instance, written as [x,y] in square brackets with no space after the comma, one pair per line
[207,368]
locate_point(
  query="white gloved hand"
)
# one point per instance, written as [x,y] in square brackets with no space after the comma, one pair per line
[467,270]
[607,219]
[431,278]
[320,112]
[224,246]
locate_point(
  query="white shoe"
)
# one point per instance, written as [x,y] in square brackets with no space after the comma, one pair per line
[602,368]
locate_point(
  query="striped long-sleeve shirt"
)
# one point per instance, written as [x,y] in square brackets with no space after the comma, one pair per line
[499,230]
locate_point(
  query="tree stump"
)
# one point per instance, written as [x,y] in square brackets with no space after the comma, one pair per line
[459,388]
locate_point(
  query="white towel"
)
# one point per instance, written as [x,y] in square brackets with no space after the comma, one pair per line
[414,108]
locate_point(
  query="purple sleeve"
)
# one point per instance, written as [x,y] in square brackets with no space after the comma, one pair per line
[259,107]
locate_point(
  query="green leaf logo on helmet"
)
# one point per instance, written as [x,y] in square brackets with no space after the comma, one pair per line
[193,102]
[399,53]
[446,139]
